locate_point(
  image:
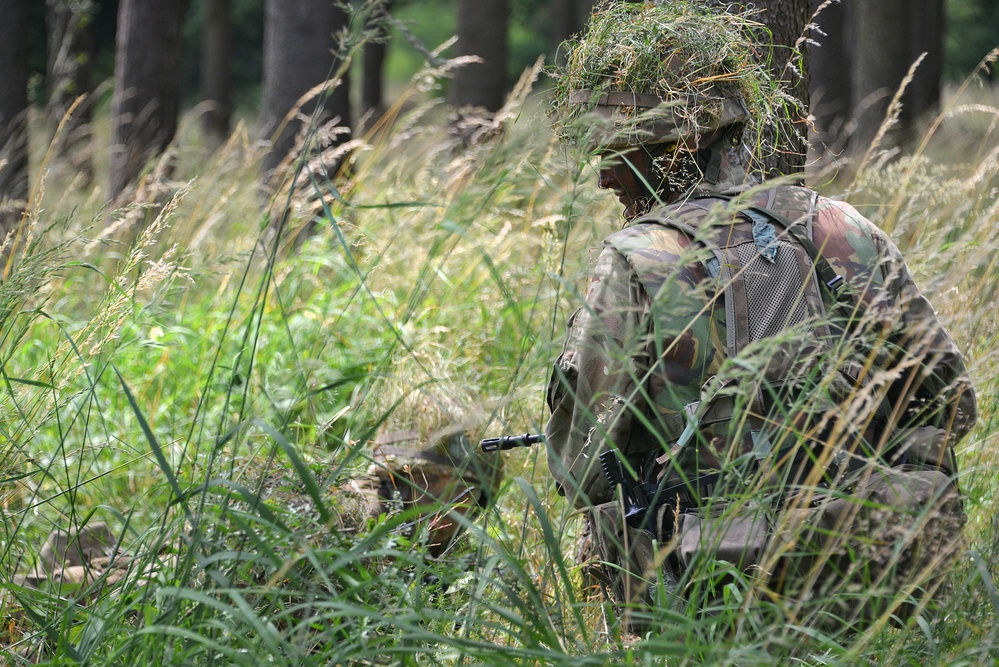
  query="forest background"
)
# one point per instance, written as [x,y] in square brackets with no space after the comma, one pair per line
[197,353]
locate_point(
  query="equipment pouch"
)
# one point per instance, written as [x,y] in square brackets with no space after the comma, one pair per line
[853,554]
[627,562]
[625,557]
[736,535]
[930,446]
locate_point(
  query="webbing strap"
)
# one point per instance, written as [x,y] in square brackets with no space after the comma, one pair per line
[692,485]
[834,282]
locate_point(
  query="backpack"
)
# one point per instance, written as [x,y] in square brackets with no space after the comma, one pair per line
[830,478]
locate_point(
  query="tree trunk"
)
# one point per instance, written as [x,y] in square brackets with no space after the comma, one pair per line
[300,44]
[13,113]
[372,84]
[482,31]
[787,21]
[882,29]
[147,76]
[927,28]
[216,74]
[830,64]
[569,17]
[69,70]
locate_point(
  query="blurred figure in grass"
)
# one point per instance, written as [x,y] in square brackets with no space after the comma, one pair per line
[774,386]
[424,466]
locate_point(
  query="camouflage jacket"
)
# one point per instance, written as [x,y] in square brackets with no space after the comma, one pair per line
[653,334]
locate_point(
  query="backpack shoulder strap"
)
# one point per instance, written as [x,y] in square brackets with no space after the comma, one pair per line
[835,283]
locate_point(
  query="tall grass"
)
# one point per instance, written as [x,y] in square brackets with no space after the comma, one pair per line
[205,385]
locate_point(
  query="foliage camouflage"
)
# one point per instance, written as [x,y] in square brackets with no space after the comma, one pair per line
[425,459]
[683,53]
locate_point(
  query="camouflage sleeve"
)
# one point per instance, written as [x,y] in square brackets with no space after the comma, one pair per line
[592,393]
[935,389]
[942,391]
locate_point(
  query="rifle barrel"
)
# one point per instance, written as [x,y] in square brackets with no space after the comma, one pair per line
[505,442]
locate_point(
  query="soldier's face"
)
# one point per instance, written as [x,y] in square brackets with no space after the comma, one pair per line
[627,175]
[657,172]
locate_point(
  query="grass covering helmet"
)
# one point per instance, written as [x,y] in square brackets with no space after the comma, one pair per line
[645,73]
[424,462]
[439,477]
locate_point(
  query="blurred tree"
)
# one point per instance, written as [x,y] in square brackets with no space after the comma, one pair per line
[372,84]
[146,98]
[245,55]
[926,28]
[831,64]
[216,74]
[13,113]
[568,17]
[972,31]
[482,31]
[300,53]
[69,76]
[890,35]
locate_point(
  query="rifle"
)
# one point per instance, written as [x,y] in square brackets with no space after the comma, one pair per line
[505,442]
[638,499]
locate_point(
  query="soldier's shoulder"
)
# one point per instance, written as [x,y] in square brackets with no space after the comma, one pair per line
[849,240]
[649,239]
[839,215]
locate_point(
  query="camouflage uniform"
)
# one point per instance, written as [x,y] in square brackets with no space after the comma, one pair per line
[757,359]
[653,337]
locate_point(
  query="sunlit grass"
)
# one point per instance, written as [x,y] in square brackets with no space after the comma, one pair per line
[204,384]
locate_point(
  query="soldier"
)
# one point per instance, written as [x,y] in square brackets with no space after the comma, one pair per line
[775,394]
[423,463]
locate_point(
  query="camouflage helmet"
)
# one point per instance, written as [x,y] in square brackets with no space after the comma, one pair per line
[446,453]
[425,460]
[645,73]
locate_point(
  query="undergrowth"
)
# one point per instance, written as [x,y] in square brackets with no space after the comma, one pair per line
[204,377]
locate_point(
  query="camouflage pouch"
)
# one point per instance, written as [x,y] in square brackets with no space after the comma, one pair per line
[883,547]
[927,445]
[736,535]
[630,567]
[622,559]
